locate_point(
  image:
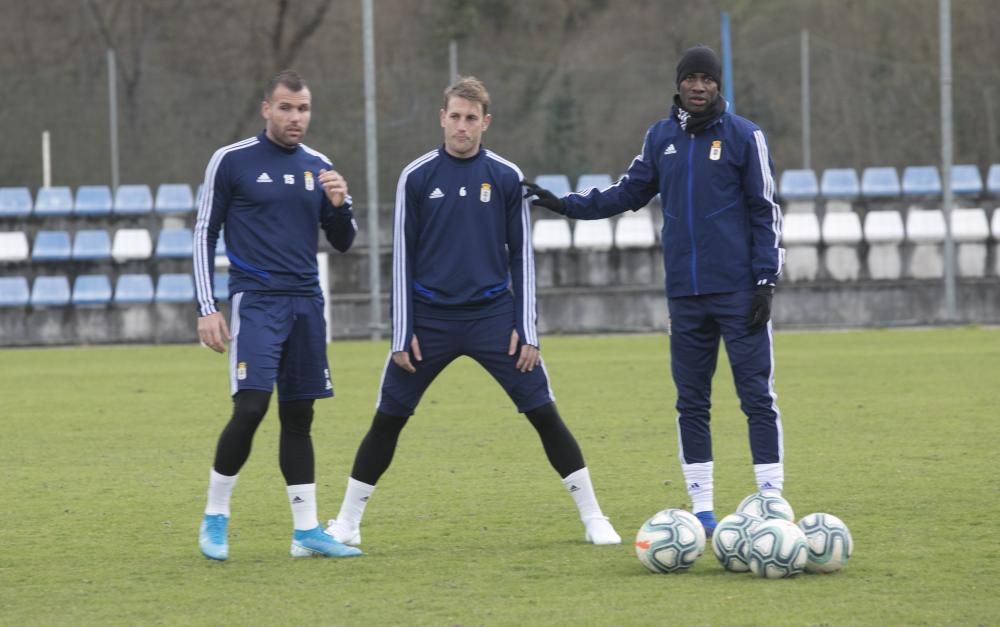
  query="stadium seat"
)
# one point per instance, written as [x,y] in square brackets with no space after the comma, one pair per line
[880,182]
[220,286]
[995,229]
[50,291]
[842,235]
[54,202]
[921,180]
[551,234]
[131,244]
[966,180]
[589,181]
[635,230]
[174,243]
[925,230]
[175,288]
[197,195]
[993,180]
[800,237]
[51,246]
[92,245]
[840,183]
[133,200]
[92,200]
[91,289]
[134,289]
[13,246]
[593,235]
[798,185]
[558,184]
[14,291]
[970,231]
[884,233]
[174,198]
[15,202]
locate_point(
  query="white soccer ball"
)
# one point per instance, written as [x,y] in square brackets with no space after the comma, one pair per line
[670,541]
[777,549]
[731,541]
[767,507]
[829,542]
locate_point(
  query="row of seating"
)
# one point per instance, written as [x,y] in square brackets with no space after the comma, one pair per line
[884,183]
[888,227]
[631,230]
[97,200]
[96,289]
[98,245]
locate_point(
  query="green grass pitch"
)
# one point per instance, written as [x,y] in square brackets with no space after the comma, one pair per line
[105,455]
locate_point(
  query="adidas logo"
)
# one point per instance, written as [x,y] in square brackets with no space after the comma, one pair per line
[437,193]
[694,486]
[264,178]
[297,500]
[766,485]
[364,499]
[574,488]
[670,150]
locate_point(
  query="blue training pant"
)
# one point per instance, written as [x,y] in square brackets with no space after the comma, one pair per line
[485,340]
[696,325]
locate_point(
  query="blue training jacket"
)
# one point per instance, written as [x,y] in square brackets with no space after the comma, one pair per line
[461,245]
[721,223]
[271,204]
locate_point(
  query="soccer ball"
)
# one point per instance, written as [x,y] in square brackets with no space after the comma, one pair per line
[731,541]
[829,542]
[777,549]
[670,541]
[766,507]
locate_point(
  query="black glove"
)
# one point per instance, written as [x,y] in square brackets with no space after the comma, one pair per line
[545,198]
[760,308]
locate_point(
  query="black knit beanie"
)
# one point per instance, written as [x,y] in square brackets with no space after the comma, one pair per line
[699,60]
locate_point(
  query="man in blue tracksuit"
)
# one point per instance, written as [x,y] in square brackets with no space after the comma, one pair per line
[463,283]
[271,193]
[721,233]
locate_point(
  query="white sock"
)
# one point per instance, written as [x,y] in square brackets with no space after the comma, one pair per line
[700,485]
[582,490]
[302,498]
[220,490]
[353,508]
[770,478]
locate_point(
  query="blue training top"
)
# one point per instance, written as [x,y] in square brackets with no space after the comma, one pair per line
[270,201]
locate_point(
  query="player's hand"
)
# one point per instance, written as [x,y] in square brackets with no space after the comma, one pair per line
[402,358]
[544,198]
[760,308]
[334,185]
[214,332]
[529,356]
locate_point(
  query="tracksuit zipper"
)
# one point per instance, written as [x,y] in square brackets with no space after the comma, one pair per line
[690,216]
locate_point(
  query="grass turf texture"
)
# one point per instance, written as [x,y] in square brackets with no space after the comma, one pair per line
[105,456]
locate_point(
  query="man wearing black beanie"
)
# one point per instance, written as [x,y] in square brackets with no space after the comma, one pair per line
[721,252]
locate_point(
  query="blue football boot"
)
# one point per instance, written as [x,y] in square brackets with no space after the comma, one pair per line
[213,537]
[317,543]
[708,522]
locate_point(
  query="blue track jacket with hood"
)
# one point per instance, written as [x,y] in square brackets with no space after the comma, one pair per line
[721,224]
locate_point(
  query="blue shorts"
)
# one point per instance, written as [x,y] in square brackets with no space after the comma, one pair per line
[485,340]
[279,339]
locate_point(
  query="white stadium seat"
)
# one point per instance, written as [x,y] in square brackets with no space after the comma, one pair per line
[551,234]
[842,234]
[970,230]
[592,234]
[800,237]
[884,233]
[635,230]
[131,244]
[13,246]
[925,230]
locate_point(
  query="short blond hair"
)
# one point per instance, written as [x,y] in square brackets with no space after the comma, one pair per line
[469,88]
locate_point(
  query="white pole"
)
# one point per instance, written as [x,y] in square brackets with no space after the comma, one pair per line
[46,160]
[947,156]
[113,117]
[371,166]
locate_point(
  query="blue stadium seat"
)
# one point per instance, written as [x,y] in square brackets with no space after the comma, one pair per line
[588,181]
[921,180]
[134,289]
[133,200]
[993,180]
[221,286]
[174,243]
[50,291]
[51,246]
[174,198]
[15,202]
[175,288]
[54,202]
[91,289]
[92,200]
[840,183]
[798,185]
[880,182]
[966,180]
[558,184]
[92,245]
[14,291]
